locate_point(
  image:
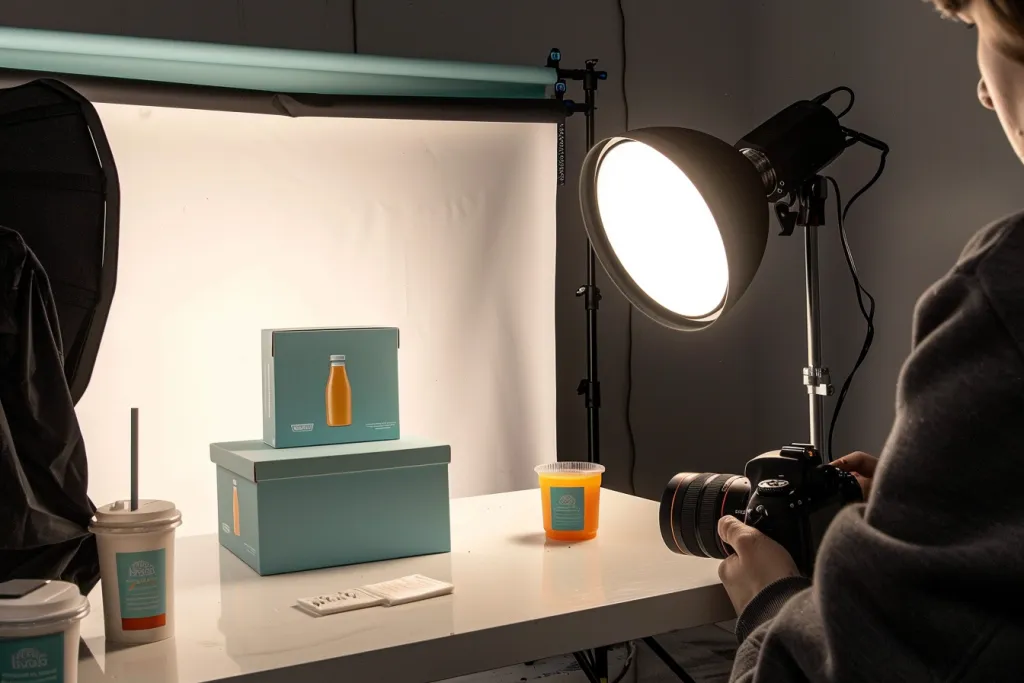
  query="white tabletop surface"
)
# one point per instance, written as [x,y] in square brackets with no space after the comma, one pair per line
[517,598]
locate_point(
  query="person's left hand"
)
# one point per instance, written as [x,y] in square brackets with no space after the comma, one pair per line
[757,562]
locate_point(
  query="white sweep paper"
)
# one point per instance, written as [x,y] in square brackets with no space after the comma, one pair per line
[231,223]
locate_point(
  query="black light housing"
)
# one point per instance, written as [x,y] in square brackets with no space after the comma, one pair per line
[736,184]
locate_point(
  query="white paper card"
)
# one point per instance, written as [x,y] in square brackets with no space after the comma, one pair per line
[409,589]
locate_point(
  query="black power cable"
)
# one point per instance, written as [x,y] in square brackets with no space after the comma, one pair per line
[631,646]
[865,301]
[824,97]
[629,315]
[355,33]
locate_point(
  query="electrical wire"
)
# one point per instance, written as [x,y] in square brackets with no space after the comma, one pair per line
[629,315]
[630,654]
[355,33]
[825,97]
[865,301]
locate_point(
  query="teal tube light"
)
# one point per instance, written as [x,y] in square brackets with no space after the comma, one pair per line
[263,69]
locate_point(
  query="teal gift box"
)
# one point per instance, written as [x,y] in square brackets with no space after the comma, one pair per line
[330,386]
[326,506]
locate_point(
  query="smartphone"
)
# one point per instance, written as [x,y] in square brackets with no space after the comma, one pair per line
[19,588]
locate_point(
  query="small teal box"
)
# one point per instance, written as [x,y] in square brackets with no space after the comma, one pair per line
[292,510]
[330,386]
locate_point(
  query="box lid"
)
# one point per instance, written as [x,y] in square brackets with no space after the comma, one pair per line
[256,461]
[287,330]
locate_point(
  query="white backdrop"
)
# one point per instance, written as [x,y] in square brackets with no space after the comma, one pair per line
[231,223]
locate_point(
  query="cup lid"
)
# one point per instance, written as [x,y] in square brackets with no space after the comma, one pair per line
[53,601]
[119,515]
[569,467]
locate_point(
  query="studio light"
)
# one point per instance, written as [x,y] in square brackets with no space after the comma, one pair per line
[679,219]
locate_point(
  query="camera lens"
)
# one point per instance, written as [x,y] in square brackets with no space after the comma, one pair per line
[691,506]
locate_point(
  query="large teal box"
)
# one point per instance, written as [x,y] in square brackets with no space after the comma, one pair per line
[330,386]
[327,506]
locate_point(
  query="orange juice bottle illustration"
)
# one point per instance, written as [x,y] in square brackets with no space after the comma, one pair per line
[234,506]
[339,394]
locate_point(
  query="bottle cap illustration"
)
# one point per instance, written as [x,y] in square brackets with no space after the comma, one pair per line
[337,357]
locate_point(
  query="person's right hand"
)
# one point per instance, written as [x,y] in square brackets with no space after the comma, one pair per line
[862,466]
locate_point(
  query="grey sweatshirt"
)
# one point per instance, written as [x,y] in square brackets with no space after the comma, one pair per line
[926,581]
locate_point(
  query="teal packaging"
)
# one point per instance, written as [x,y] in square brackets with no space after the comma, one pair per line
[326,506]
[330,386]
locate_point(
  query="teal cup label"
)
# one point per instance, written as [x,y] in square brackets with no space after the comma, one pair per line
[567,508]
[142,589]
[39,659]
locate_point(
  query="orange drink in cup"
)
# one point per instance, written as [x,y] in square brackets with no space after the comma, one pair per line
[570,495]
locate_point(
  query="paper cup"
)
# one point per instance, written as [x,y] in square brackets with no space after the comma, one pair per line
[137,569]
[39,634]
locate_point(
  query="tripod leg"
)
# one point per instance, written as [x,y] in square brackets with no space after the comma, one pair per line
[601,664]
[585,667]
[671,663]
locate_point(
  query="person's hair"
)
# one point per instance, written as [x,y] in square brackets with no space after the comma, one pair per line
[1009,12]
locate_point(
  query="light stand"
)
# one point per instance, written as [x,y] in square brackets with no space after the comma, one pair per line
[594,665]
[810,215]
[590,387]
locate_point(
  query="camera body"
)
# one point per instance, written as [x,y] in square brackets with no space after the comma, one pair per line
[794,497]
[789,495]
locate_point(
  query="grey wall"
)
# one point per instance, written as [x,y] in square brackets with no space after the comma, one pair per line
[712,400]
[950,172]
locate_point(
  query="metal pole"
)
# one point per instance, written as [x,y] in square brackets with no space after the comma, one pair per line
[591,386]
[812,374]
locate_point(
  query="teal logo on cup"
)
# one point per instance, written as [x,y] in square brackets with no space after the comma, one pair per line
[142,589]
[567,508]
[33,659]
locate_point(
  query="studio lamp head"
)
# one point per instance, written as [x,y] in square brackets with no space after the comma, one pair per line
[679,218]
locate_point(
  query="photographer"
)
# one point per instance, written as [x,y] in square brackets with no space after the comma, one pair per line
[925,581]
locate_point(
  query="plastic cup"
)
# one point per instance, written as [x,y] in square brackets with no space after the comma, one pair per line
[39,634]
[137,569]
[570,495]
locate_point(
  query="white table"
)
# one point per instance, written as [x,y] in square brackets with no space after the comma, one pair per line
[517,598]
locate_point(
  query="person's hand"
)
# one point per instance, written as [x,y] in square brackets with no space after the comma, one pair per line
[862,466]
[757,562]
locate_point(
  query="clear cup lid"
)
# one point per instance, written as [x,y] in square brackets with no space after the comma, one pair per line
[51,602]
[570,468]
[150,513]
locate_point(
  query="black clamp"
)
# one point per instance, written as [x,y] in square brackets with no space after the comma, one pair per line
[810,211]
[592,296]
[589,75]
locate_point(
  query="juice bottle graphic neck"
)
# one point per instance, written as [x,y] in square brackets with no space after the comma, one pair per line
[337,361]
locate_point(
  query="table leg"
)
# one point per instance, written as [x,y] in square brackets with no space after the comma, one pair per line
[669,661]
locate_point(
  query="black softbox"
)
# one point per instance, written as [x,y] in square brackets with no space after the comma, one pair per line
[59,190]
[58,262]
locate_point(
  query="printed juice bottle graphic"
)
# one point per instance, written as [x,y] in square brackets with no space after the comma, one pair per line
[339,394]
[234,506]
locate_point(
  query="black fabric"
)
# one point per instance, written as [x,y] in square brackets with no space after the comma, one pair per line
[44,505]
[59,190]
[925,582]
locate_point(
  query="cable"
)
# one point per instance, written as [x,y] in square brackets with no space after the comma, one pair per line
[868,311]
[355,33]
[629,315]
[824,97]
[631,653]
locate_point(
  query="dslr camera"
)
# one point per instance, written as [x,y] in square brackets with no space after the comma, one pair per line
[789,495]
